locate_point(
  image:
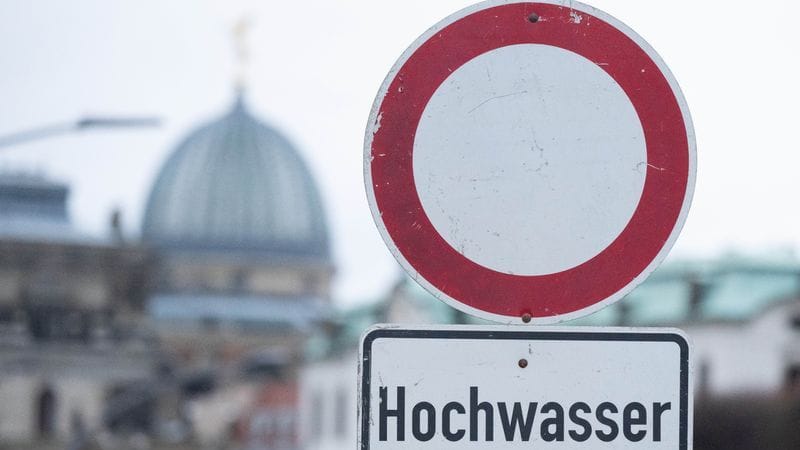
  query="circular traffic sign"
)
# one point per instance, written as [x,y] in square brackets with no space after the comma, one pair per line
[529,159]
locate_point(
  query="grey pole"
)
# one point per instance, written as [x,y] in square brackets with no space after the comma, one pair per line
[90,122]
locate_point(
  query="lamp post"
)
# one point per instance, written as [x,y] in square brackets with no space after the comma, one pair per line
[85,123]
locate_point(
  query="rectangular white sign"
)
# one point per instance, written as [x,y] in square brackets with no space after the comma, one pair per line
[513,387]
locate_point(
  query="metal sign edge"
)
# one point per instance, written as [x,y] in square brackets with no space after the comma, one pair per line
[373,125]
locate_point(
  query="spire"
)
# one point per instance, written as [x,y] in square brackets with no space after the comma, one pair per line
[238,103]
[240,41]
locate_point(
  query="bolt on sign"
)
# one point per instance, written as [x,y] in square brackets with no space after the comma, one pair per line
[514,387]
[529,160]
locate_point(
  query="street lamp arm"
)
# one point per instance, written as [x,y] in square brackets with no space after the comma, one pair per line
[117,122]
[35,133]
[85,123]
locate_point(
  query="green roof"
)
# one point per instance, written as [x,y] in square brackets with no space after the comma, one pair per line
[677,293]
[731,289]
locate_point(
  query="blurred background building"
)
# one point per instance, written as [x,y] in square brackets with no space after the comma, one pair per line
[73,329]
[244,269]
[742,316]
[192,336]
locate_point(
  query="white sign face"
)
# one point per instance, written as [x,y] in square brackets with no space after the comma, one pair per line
[562,139]
[488,387]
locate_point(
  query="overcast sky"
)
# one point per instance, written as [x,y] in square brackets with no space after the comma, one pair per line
[315,69]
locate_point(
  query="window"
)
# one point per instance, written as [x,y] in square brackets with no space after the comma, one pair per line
[793,378]
[316,417]
[341,413]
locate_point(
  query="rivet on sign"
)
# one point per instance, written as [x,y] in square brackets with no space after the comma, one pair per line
[523,363]
[526,317]
[533,18]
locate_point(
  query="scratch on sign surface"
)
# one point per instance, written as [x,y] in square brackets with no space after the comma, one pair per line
[377,125]
[643,163]
[495,98]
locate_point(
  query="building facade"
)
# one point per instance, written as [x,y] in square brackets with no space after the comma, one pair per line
[73,333]
[191,336]
[742,316]
[244,271]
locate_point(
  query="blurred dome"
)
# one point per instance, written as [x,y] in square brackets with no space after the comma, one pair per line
[237,185]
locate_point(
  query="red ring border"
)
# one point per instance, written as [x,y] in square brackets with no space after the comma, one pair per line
[649,229]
